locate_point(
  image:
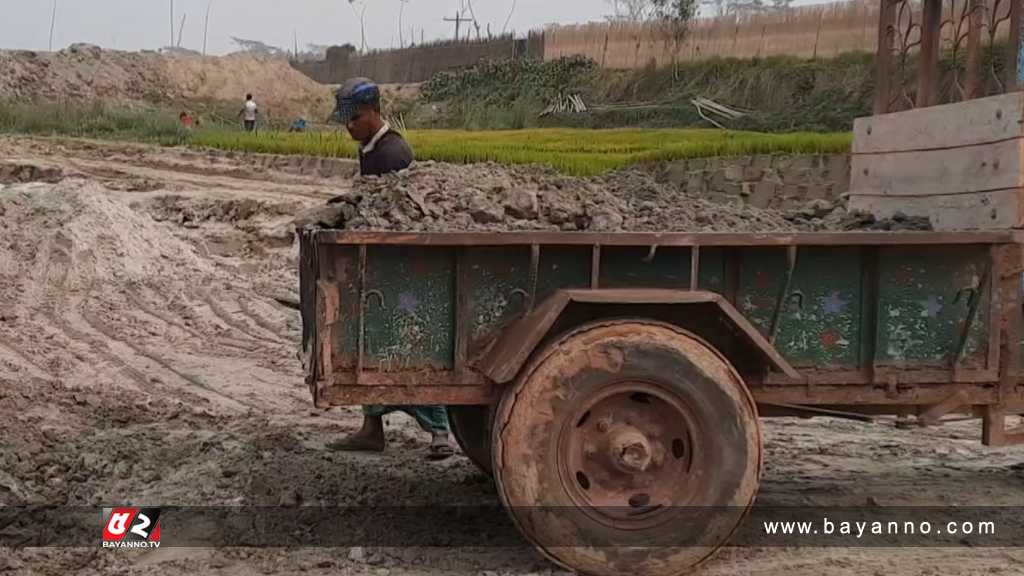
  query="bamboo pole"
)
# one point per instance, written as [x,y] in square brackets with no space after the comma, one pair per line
[53,22]
[206,25]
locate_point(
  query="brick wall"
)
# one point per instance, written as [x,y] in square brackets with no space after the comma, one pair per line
[766,181]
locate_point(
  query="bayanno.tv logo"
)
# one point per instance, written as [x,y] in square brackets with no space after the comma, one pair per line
[131,527]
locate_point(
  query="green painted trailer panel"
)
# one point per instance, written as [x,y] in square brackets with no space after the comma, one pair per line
[407,306]
[496,281]
[923,298]
[819,320]
[414,326]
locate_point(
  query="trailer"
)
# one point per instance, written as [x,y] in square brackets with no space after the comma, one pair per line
[610,381]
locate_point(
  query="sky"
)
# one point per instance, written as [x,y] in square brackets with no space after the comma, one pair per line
[145,24]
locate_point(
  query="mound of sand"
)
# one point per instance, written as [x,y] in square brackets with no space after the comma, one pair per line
[86,73]
[97,237]
[282,92]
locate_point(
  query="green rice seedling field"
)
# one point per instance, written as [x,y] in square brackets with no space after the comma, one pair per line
[580,152]
[576,151]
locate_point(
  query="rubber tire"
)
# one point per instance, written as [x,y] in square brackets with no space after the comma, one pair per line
[533,410]
[471,427]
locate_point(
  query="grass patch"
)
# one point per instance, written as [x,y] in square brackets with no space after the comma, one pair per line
[574,151]
[90,121]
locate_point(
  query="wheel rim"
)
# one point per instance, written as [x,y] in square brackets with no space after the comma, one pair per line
[630,454]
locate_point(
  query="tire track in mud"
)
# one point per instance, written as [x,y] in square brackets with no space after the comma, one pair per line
[96,346]
[238,351]
[73,312]
[137,301]
[263,322]
[173,173]
[228,319]
[22,359]
[48,305]
[99,326]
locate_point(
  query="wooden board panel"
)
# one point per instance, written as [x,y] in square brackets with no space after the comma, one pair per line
[357,238]
[981,168]
[411,395]
[979,210]
[979,121]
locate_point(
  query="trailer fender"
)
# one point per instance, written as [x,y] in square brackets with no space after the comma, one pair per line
[703,313]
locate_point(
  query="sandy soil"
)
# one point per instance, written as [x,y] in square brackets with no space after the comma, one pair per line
[144,358]
[84,74]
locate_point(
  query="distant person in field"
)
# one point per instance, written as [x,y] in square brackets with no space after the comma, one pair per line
[299,125]
[382,150]
[249,113]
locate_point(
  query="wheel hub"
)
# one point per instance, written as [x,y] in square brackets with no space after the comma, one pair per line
[629,449]
[628,453]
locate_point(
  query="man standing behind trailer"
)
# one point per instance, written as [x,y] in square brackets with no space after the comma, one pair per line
[382,150]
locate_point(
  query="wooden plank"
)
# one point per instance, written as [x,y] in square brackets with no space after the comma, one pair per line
[972,68]
[928,57]
[399,396]
[884,56]
[979,121]
[917,373]
[769,409]
[933,413]
[1001,262]
[980,168]
[872,395]
[664,238]
[328,315]
[1015,47]
[993,427]
[979,210]
[409,378]
[1010,324]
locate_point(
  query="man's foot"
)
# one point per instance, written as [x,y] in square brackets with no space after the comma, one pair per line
[369,438]
[440,447]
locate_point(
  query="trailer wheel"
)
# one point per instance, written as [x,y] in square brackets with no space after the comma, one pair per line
[627,447]
[471,426]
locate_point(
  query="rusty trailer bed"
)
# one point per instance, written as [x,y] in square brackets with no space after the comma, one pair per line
[921,323]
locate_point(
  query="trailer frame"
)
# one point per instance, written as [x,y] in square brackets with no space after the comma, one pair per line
[987,387]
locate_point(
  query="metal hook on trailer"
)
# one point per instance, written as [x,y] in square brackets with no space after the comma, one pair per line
[650,254]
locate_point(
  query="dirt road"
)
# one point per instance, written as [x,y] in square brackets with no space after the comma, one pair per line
[144,359]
